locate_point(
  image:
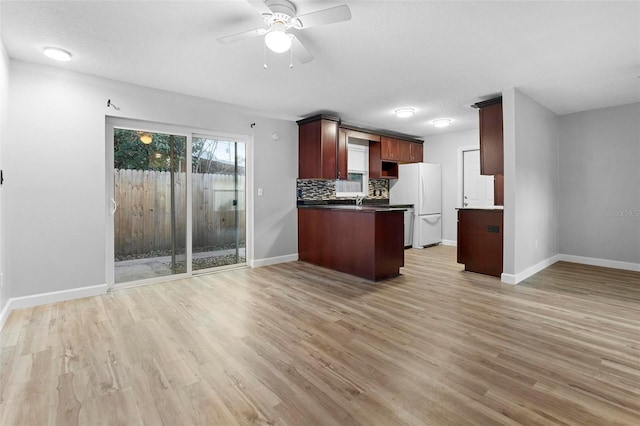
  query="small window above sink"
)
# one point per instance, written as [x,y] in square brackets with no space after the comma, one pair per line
[357,182]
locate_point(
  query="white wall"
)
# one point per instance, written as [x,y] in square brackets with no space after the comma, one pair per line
[55,168]
[600,184]
[443,149]
[531,206]
[4,97]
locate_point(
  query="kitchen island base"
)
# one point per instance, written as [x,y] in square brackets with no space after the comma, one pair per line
[365,242]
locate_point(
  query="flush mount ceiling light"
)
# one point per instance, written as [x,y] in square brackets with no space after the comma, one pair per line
[441,122]
[57,54]
[404,112]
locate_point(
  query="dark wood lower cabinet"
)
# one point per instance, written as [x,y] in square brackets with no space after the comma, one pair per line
[480,240]
[498,190]
[364,243]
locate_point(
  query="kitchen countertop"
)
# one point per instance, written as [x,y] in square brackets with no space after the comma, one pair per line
[481,208]
[350,207]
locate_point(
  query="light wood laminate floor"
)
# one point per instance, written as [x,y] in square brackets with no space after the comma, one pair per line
[295,344]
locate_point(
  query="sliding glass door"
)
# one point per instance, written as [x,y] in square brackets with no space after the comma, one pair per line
[149,204]
[218,203]
[177,202]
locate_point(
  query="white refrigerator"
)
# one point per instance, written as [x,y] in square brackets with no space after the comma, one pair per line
[420,184]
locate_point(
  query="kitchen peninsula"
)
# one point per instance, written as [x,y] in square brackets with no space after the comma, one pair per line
[365,241]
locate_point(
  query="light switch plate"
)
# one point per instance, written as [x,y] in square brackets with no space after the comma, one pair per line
[260,192]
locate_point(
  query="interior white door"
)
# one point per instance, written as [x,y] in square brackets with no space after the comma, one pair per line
[477,189]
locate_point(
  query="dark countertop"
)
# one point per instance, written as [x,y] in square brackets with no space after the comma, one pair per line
[367,202]
[363,209]
[490,208]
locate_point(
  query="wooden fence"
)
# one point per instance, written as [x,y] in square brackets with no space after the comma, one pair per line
[143,216]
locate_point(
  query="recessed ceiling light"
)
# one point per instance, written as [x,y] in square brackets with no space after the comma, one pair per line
[404,112]
[441,122]
[57,54]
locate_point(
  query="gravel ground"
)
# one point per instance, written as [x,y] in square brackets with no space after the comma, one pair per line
[161,253]
[210,262]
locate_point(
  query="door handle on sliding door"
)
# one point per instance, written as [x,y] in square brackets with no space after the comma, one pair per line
[115,206]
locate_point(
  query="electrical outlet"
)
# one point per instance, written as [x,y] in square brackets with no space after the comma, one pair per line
[260,192]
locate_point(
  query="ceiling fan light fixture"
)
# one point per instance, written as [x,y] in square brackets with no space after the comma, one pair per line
[404,112]
[57,54]
[277,40]
[441,122]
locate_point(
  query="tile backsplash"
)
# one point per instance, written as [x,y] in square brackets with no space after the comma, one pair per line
[316,190]
[379,189]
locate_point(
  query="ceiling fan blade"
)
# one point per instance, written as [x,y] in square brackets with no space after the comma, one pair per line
[325,16]
[260,6]
[299,51]
[241,36]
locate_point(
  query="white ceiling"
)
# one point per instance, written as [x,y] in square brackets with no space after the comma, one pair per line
[438,57]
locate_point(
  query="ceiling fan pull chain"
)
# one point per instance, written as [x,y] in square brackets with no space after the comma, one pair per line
[291,57]
[265,56]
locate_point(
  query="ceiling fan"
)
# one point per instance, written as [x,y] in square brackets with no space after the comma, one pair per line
[279,17]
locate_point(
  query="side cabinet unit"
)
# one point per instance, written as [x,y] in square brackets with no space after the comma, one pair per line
[491,137]
[480,240]
[321,152]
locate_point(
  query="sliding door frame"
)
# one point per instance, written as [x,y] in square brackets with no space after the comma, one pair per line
[188,132]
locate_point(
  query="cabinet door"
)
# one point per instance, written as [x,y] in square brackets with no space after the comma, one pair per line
[329,149]
[404,149]
[317,149]
[498,190]
[375,163]
[416,153]
[480,241]
[342,155]
[389,149]
[491,140]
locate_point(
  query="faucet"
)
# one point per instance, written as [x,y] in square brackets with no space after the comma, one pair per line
[359,199]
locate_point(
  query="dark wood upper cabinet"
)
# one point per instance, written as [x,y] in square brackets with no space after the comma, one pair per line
[498,190]
[416,152]
[323,149]
[491,137]
[318,148]
[342,154]
[407,152]
[390,149]
[404,152]
[375,163]
[410,152]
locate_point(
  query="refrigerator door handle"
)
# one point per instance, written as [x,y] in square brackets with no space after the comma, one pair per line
[421,196]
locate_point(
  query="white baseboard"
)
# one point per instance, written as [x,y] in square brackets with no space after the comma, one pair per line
[605,263]
[452,243]
[52,297]
[615,264]
[520,276]
[273,260]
